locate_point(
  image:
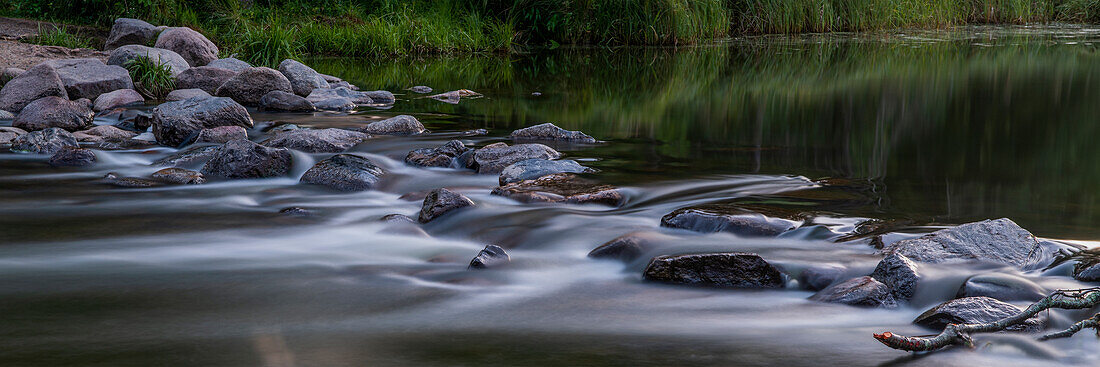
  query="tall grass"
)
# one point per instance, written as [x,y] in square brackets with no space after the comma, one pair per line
[153,79]
[57,36]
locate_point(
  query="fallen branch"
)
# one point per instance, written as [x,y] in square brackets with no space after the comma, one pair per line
[959,334]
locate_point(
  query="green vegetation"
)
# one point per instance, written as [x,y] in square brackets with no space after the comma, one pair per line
[56,36]
[152,79]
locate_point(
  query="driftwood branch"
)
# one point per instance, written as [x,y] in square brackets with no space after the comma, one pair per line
[959,334]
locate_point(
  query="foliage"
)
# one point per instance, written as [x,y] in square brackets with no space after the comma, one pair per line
[153,79]
[57,36]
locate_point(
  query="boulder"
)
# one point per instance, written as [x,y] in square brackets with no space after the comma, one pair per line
[36,83]
[627,247]
[561,188]
[380,96]
[245,159]
[490,257]
[48,141]
[191,156]
[129,182]
[997,241]
[230,63]
[250,85]
[440,202]
[721,218]
[179,176]
[73,157]
[453,97]
[441,156]
[206,78]
[127,31]
[10,73]
[734,269]
[104,133]
[221,134]
[278,100]
[135,120]
[5,115]
[551,132]
[174,123]
[54,112]
[420,89]
[1002,287]
[330,140]
[303,79]
[534,168]
[182,94]
[1087,272]
[900,274]
[862,291]
[318,95]
[89,78]
[818,277]
[494,158]
[192,45]
[7,134]
[344,172]
[973,310]
[338,104]
[118,98]
[399,125]
[122,55]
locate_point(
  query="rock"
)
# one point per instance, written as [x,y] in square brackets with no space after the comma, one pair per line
[548,131]
[442,156]
[104,133]
[420,89]
[399,125]
[54,112]
[8,134]
[495,157]
[182,94]
[862,291]
[73,157]
[36,83]
[48,141]
[245,159]
[135,120]
[118,98]
[129,182]
[401,224]
[192,45]
[627,247]
[319,95]
[330,140]
[972,310]
[250,85]
[490,257]
[997,241]
[344,172]
[440,202]
[206,78]
[10,73]
[380,96]
[120,56]
[221,134]
[1002,287]
[1087,272]
[277,100]
[339,104]
[179,176]
[5,115]
[296,212]
[84,102]
[534,168]
[175,123]
[733,269]
[88,78]
[719,218]
[899,273]
[342,84]
[303,79]
[230,63]
[128,31]
[188,157]
[453,97]
[561,188]
[818,277]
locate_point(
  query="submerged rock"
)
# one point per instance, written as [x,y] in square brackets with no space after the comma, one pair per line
[192,45]
[862,291]
[249,86]
[344,172]
[534,168]
[442,156]
[36,83]
[453,97]
[549,131]
[127,31]
[494,158]
[295,211]
[245,159]
[122,55]
[998,241]
[974,310]
[89,78]
[54,112]
[627,247]
[399,125]
[179,176]
[440,202]
[720,218]
[129,182]
[900,274]
[182,94]
[420,89]
[5,115]
[176,122]
[303,79]
[48,141]
[734,269]
[1002,287]
[188,157]
[489,257]
[8,134]
[277,100]
[73,157]
[818,277]
[331,140]
[561,188]
[221,134]
[206,78]
[230,63]
[118,98]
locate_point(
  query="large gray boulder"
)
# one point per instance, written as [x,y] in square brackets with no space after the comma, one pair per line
[561,188]
[182,94]
[122,55]
[221,134]
[534,168]
[230,63]
[118,98]
[278,100]
[302,78]
[974,310]
[175,123]
[733,269]
[245,159]
[549,131]
[900,274]
[54,112]
[344,172]
[37,82]
[862,291]
[398,125]
[88,78]
[192,45]
[440,202]
[997,241]
[331,140]
[494,158]
[127,31]
[318,95]
[47,141]
[721,218]
[8,133]
[206,78]
[442,156]
[249,86]
[490,257]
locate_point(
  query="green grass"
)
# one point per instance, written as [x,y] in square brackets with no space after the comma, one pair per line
[59,37]
[151,78]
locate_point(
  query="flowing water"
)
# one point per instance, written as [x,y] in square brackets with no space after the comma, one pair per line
[924,128]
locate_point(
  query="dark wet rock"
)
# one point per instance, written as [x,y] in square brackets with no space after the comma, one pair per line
[442,156]
[420,89]
[182,94]
[88,78]
[179,176]
[319,95]
[380,96]
[561,188]
[250,85]
[8,134]
[534,168]
[303,79]
[206,78]
[135,120]
[192,45]
[127,31]
[176,122]
[104,133]
[330,140]
[1090,273]
[245,159]
[8,74]
[549,131]
[900,274]
[230,63]
[862,291]
[48,141]
[54,112]
[734,269]
[295,211]
[73,157]
[818,277]
[188,157]
[36,83]
[494,158]
[338,104]
[1002,287]
[277,100]
[344,172]
[719,218]
[399,125]
[5,115]
[129,182]
[118,98]
[998,241]
[120,56]
[973,310]
[489,257]
[627,247]
[221,134]
[401,224]
[440,202]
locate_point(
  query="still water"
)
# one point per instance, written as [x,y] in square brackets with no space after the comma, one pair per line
[926,128]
